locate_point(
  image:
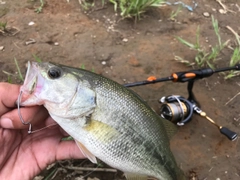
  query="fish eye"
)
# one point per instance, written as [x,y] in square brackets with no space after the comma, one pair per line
[54,73]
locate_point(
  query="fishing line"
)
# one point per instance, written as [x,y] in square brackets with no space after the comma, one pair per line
[28,123]
[54,124]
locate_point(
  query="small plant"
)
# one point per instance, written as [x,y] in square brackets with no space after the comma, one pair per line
[208,58]
[51,174]
[235,56]
[11,75]
[234,60]
[9,79]
[19,71]
[204,57]
[3,26]
[68,138]
[174,14]
[37,58]
[40,8]
[85,4]
[128,8]
[83,67]
[134,8]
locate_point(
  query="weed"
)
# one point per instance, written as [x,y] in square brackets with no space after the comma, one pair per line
[128,8]
[85,4]
[37,58]
[51,174]
[68,138]
[19,71]
[208,58]
[82,66]
[235,56]
[134,8]
[174,14]
[40,8]
[9,79]
[201,57]
[11,75]
[204,57]
[234,60]
[3,26]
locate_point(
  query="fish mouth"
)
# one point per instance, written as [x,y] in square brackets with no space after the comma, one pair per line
[32,85]
[30,81]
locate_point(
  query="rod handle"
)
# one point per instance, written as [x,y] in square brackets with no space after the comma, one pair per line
[230,134]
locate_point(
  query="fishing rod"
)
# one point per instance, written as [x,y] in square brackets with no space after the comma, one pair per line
[180,110]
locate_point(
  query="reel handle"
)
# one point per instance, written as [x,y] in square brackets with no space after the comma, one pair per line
[230,134]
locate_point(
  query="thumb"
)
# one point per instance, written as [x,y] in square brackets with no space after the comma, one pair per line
[34,114]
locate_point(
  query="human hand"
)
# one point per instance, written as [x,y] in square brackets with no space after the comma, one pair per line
[23,155]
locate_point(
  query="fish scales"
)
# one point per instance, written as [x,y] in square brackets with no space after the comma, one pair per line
[117,126]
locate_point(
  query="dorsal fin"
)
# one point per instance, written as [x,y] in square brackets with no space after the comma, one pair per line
[86,152]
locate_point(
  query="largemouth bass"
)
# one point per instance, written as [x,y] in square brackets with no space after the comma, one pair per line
[107,120]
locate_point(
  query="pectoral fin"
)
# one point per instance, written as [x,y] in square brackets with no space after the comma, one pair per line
[101,131]
[130,176]
[86,152]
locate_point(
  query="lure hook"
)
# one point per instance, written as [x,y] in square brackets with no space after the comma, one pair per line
[28,123]
[20,115]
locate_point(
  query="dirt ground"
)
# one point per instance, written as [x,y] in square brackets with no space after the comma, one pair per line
[126,52]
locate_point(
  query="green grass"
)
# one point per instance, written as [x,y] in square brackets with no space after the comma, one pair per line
[208,58]
[128,8]
[86,5]
[134,8]
[37,58]
[51,174]
[174,14]
[18,75]
[83,67]
[12,76]
[3,26]
[40,8]
[203,57]
[234,59]
[18,70]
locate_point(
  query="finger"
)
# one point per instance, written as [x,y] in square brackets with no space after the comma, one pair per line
[8,96]
[33,114]
[68,150]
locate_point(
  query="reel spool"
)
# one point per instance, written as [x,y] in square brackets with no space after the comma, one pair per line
[179,110]
[176,109]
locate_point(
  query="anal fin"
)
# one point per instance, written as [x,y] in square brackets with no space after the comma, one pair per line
[131,176]
[86,152]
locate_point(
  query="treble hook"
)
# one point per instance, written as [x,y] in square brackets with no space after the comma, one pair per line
[20,115]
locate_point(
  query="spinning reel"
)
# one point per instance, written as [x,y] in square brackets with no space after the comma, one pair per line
[178,109]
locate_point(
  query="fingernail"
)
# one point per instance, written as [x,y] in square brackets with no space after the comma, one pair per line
[6,123]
